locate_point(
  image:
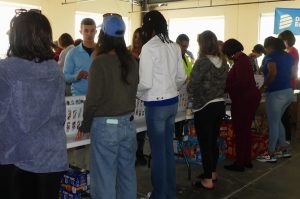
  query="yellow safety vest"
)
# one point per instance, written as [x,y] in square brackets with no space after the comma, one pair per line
[188,65]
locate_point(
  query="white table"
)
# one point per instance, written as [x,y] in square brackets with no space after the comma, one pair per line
[140,127]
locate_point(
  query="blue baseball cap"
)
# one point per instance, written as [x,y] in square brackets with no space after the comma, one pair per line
[113,25]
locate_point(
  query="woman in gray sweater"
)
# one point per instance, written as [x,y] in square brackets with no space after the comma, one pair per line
[206,87]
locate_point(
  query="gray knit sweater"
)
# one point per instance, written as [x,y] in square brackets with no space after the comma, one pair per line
[207,80]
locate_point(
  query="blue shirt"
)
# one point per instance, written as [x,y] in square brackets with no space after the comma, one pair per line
[77,60]
[32,113]
[284,63]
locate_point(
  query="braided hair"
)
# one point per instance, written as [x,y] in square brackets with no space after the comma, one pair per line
[155,21]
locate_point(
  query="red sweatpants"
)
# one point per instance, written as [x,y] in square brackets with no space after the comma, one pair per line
[243,113]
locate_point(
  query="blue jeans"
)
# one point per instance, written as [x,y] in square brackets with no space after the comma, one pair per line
[113,147]
[276,103]
[160,125]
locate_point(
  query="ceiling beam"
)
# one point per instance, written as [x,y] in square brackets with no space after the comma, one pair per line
[211,5]
[76,1]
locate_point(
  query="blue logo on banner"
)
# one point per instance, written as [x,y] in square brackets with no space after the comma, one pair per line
[287,19]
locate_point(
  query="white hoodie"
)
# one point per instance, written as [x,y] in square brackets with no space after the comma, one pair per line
[217,61]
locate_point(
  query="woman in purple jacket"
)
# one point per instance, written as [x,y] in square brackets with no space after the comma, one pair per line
[33,152]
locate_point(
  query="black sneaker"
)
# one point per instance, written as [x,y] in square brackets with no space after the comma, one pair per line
[248,165]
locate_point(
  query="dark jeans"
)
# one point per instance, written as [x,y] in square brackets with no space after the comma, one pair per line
[286,121]
[207,125]
[140,138]
[179,128]
[19,184]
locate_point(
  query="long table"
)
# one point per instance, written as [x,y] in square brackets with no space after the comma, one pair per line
[140,127]
[181,115]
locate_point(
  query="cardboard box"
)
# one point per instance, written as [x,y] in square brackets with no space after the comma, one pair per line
[190,146]
[75,181]
[259,144]
[66,195]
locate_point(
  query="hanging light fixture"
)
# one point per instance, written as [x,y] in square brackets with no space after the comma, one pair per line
[76,1]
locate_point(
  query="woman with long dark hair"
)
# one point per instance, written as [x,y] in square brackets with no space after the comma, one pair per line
[33,153]
[108,114]
[161,75]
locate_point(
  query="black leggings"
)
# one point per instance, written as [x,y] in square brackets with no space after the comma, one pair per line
[19,184]
[207,125]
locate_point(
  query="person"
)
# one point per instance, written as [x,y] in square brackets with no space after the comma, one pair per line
[245,98]
[161,75]
[206,87]
[188,62]
[66,42]
[257,51]
[135,50]
[33,152]
[108,114]
[136,45]
[220,45]
[79,59]
[57,50]
[77,42]
[188,59]
[289,40]
[277,70]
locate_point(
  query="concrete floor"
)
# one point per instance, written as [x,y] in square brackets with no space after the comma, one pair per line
[266,180]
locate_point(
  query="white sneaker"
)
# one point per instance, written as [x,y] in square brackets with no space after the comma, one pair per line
[266,157]
[283,154]
[148,196]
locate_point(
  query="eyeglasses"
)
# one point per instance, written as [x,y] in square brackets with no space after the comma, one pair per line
[111,14]
[22,10]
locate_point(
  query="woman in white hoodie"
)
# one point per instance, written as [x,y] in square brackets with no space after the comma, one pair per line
[206,86]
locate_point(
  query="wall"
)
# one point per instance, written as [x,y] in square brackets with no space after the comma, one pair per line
[62,17]
[241,22]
